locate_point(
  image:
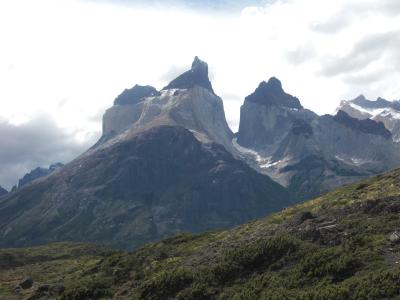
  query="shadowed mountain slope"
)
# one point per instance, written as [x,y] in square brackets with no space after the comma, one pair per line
[157,183]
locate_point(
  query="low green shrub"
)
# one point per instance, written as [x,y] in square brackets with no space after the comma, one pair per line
[165,284]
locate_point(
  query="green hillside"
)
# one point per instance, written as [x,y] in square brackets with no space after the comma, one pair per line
[342,245]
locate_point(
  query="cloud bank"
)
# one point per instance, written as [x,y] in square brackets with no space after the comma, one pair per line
[39,142]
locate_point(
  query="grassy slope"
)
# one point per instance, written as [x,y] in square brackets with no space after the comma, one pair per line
[333,247]
[53,263]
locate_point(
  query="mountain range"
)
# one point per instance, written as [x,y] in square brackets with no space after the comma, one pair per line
[307,153]
[167,162]
[381,110]
[163,165]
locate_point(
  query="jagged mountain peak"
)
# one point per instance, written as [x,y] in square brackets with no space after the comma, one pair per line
[273,84]
[199,66]
[136,94]
[367,125]
[188,101]
[38,173]
[365,103]
[197,75]
[361,97]
[381,110]
[272,93]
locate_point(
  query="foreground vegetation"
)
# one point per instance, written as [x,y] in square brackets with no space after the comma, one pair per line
[343,245]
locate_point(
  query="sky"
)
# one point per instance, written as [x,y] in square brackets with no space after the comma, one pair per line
[63,62]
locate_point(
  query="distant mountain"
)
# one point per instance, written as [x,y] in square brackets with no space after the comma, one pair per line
[3,192]
[343,245]
[367,126]
[164,165]
[38,173]
[380,110]
[307,153]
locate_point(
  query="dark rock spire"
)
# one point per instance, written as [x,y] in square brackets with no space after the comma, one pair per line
[271,93]
[197,75]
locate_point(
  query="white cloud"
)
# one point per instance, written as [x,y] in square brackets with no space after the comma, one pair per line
[70,58]
[37,142]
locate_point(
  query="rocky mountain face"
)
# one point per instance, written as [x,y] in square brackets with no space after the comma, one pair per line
[307,153]
[342,245]
[365,125]
[135,94]
[188,101]
[197,75]
[264,119]
[164,165]
[380,110]
[3,191]
[38,173]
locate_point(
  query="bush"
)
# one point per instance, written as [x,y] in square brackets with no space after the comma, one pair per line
[88,288]
[331,263]
[252,257]
[378,284]
[166,284]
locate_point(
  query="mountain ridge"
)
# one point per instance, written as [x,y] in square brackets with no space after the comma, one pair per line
[165,164]
[380,110]
[135,94]
[307,153]
[366,125]
[38,173]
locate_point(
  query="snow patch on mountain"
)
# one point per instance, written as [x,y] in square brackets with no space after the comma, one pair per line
[262,162]
[353,160]
[374,112]
[379,110]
